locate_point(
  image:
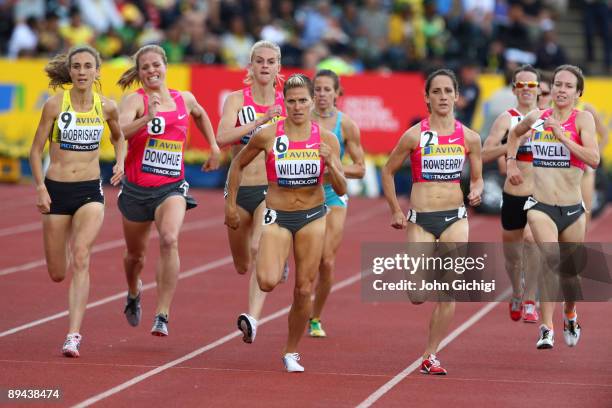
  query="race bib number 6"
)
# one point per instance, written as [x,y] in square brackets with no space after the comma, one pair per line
[269,217]
[281,145]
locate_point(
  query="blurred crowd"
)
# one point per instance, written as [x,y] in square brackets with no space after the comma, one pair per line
[347,36]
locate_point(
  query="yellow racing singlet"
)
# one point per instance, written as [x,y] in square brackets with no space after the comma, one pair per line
[78,131]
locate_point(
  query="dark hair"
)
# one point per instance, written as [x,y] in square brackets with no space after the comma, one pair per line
[574,70]
[525,68]
[58,69]
[298,81]
[438,72]
[546,76]
[131,75]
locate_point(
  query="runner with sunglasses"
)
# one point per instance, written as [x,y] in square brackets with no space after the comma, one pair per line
[520,259]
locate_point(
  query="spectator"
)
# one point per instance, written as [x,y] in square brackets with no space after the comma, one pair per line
[29,8]
[7,25]
[550,54]
[236,45]
[101,15]
[174,45]
[24,39]
[597,16]
[76,33]
[49,42]
[469,93]
[375,25]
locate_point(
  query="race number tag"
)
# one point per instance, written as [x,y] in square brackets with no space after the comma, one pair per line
[156,126]
[428,138]
[269,216]
[247,115]
[281,145]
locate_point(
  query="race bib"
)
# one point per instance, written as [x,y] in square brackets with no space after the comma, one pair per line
[428,138]
[163,157]
[442,163]
[296,167]
[79,132]
[548,151]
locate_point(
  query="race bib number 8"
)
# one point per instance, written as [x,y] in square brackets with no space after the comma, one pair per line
[156,126]
[428,138]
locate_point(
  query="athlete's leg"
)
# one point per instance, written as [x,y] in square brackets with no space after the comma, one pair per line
[56,234]
[86,224]
[513,250]
[573,234]
[136,240]
[169,216]
[240,241]
[334,229]
[308,248]
[257,297]
[531,260]
[587,187]
[274,246]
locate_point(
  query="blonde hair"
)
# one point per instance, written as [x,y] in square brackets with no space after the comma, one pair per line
[131,75]
[278,80]
[298,81]
[58,68]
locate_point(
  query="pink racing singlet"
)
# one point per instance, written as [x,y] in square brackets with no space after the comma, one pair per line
[251,111]
[549,152]
[155,152]
[295,164]
[438,158]
[524,151]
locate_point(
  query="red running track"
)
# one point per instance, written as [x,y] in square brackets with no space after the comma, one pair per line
[368,358]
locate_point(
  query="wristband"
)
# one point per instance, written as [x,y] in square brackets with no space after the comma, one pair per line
[511,158]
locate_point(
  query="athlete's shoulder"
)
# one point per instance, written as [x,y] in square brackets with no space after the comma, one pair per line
[584,115]
[234,98]
[54,103]
[470,134]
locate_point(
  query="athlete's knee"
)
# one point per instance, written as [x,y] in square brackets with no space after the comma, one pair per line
[326,267]
[134,258]
[266,284]
[168,240]
[57,274]
[302,291]
[80,257]
[242,266]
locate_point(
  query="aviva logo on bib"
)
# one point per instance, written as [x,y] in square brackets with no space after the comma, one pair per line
[443,150]
[167,145]
[299,154]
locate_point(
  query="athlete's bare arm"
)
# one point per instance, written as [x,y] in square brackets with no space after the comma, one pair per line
[131,113]
[601,128]
[227,132]
[407,143]
[329,149]
[258,143]
[493,147]
[353,147]
[514,140]
[202,121]
[472,142]
[50,111]
[111,116]
[588,152]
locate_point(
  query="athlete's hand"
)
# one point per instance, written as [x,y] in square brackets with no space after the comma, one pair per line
[474,198]
[43,200]
[555,125]
[513,173]
[399,220]
[232,218]
[325,152]
[154,103]
[117,174]
[213,161]
[271,113]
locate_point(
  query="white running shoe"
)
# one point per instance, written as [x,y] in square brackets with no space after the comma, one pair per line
[248,326]
[547,338]
[291,363]
[71,345]
[571,331]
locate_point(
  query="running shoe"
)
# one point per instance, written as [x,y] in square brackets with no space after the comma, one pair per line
[547,338]
[530,313]
[571,331]
[515,309]
[248,326]
[160,325]
[315,329]
[431,365]
[133,310]
[291,363]
[72,345]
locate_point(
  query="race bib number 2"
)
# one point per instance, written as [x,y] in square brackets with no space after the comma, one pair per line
[428,138]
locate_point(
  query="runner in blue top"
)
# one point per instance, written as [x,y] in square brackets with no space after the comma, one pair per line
[327,90]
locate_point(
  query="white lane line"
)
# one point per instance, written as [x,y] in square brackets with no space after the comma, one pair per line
[105,246]
[97,398]
[121,295]
[376,395]
[32,226]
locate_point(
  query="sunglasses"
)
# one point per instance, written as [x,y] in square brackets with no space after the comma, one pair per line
[545,93]
[529,84]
